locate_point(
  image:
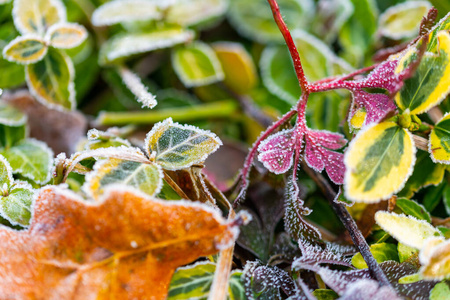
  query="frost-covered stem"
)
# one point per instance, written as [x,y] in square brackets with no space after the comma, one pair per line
[291,45]
[219,109]
[219,287]
[251,155]
[344,77]
[339,84]
[350,224]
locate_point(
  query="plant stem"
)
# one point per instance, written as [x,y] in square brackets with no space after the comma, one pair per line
[345,217]
[219,287]
[219,109]
[291,45]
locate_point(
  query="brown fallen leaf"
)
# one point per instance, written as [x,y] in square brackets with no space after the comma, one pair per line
[125,247]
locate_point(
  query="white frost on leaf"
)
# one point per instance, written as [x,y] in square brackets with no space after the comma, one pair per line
[135,85]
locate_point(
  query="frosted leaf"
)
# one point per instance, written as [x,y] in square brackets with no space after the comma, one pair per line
[192,282]
[31,158]
[377,106]
[10,116]
[384,76]
[37,16]
[192,12]
[315,254]
[15,205]
[25,49]
[66,35]
[265,282]
[369,289]
[135,85]
[6,176]
[277,151]
[318,157]
[174,146]
[144,177]
[406,229]
[119,11]
[435,259]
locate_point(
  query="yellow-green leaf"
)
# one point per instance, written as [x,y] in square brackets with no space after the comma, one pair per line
[443,24]
[378,162]
[238,66]
[197,64]
[192,282]
[406,229]
[25,49]
[66,35]
[11,116]
[441,291]
[430,84]
[51,80]
[174,146]
[36,16]
[191,12]
[144,177]
[381,252]
[439,143]
[403,20]
[6,176]
[114,12]
[125,45]
[435,259]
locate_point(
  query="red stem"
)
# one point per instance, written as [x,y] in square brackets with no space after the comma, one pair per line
[291,45]
[344,77]
[251,155]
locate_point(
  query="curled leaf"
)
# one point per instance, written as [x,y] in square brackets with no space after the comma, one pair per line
[174,146]
[25,49]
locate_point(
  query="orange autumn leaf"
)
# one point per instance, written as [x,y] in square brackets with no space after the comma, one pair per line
[126,246]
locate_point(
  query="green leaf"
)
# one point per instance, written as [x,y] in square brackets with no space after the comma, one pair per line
[433,196]
[12,75]
[412,208]
[410,278]
[325,294]
[145,177]
[126,45]
[419,178]
[167,192]
[378,162]
[439,142]
[405,252]
[32,159]
[114,12]
[443,24]
[447,198]
[237,64]
[174,146]
[192,282]
[51,80]
[260,26]
[39,16]
[441,291]
[236,289]
[15,206]
[12,125]
[403,20]
[430,84]
[6,176]
[381,252]
[406,229]
[104,139]
[11,116]
[196,64]
[25,49]
[66,35]
[192,12]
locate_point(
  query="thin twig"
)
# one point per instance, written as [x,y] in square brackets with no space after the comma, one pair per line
[345,217]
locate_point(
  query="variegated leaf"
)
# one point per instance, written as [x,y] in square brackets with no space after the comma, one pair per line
[378,162]
[406,229]
[192,282]
[15,206]
[430,84]
[32,159]
[66,35]
[444,24]
[174,146]
[38,15]
[25,49]
[403,20]
[197,64]
[435,259]
[122,46]
[111,171]
[439,142]
[51,80]
[277,151]
[119,11]
[318,154]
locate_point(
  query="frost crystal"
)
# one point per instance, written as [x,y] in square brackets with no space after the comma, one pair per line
[277,151]
[377,106]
